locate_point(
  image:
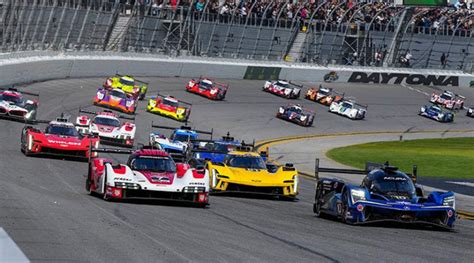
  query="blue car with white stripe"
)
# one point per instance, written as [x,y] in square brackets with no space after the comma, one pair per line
[386,194]
[436,113]
[179,142]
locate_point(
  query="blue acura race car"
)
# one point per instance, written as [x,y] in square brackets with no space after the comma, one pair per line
[385,194]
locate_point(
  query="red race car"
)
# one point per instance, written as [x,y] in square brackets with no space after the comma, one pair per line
[208,88]
[60,138]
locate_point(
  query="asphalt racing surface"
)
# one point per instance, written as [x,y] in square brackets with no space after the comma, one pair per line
[46,211]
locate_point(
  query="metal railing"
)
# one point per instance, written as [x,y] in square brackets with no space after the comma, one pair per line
[263,35]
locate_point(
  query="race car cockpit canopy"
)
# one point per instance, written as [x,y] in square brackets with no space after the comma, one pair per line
[390,183]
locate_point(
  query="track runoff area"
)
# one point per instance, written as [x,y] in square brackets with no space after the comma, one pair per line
[47,212]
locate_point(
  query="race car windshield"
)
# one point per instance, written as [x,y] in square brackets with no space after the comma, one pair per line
[107,121]
[126,82]
[170,103]
[324,91]
[153,164]
[205,85]
[399,186]
[282,84]
[118,94]
[346,105]
[15,99]
[446,97]
[436,109]
[296,109]
[249,162]
[62,130]
[181,137]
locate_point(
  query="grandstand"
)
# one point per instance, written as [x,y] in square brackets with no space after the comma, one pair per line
[365,33]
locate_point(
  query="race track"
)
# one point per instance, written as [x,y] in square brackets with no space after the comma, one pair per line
[45,209]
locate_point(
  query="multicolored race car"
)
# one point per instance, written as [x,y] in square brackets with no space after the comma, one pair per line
[244,171]
[449,100]
[296,114]
[179,142]
[148,174]
[436,113]
[349,108]
[60,138]
[283,88]
[128,84]
[322,95]
[170,107]
[116,99]
[108,126]
[208,88]
[214,150]
[13,105]
[386,194]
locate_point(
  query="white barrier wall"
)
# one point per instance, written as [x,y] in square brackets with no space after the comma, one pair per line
[42,66]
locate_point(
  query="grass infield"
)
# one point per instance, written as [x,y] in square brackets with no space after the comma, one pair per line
[443,158]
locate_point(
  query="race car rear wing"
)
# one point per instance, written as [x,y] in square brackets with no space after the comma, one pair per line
[109,111]
[179,101]
[220,84]
[369,166]
[12,88]
[140,81]
[185,127]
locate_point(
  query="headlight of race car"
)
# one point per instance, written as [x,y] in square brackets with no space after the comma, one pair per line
[214,91]
[129,103]
[287,91]
[470,110]
[303,117]
[449,201]
[152,103]
[281,110]
[440,115]
[357,195]
[180,111]
[423,109]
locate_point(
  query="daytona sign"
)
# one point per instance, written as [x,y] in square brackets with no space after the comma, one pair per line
[398,78]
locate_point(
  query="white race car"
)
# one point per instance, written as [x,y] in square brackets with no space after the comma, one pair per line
[108,126]
[14,105]
[283,89]
[349,109]
[448,99]
[148,174]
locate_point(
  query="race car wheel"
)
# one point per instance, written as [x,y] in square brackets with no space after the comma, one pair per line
[344,206]
[317,209]
[105,196]
[88,181]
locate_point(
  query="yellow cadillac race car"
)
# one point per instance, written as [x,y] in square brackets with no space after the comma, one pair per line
[170,107]
[247,172]
[128,84]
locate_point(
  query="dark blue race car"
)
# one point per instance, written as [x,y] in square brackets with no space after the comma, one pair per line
[385,194]
[296,114]
[437,113]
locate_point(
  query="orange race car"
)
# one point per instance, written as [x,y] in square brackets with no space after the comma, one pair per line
[324,96]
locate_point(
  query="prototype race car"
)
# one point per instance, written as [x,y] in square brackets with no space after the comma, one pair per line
[470,112]
[385,194]
[208,88]
[448,99]
[214,150]
[116,99]
[128,84]
[108,126]
[148,174]
[14,105]
[246,172]
[437,113]
[324,96]
[296,114]
[331,76]
[349,108]
[283,88]
[60,138]
[179,143]
[170,107]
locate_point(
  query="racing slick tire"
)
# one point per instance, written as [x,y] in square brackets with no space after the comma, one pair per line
[105,196]
[24,143]
[344,207]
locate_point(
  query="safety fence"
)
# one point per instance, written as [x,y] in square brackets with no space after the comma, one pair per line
[326,35]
